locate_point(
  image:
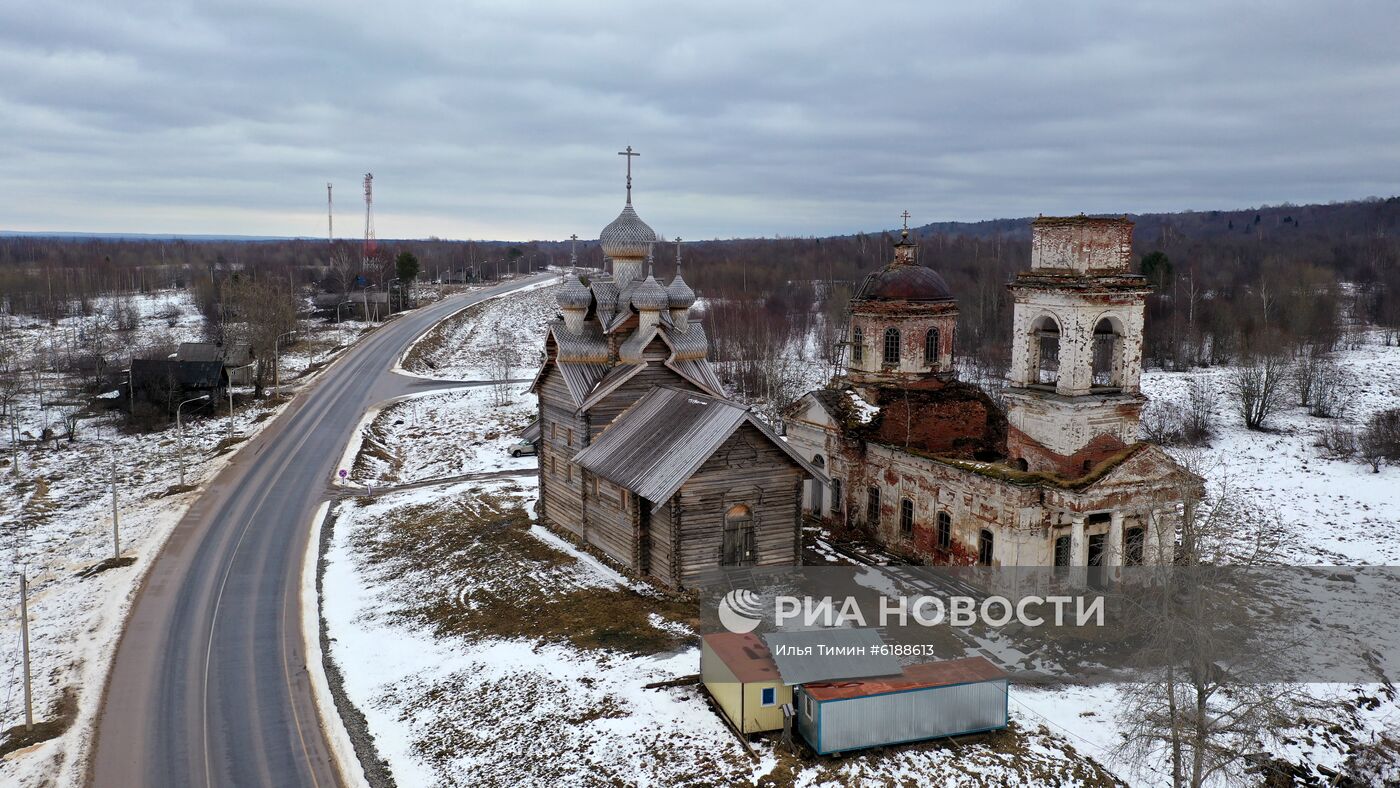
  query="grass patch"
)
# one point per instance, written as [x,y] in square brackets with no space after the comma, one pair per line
[478,572]
[105,564]
[227,444]
[17,738]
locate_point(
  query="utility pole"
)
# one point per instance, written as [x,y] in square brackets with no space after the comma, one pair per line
[116,519]
[24,645]
[330,222]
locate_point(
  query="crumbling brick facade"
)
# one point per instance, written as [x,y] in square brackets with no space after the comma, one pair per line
[933,469]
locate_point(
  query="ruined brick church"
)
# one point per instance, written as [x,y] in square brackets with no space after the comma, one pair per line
[934,470]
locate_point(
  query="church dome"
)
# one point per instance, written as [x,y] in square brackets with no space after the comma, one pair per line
[650,295]
[904,283]
[680,294]
[573,295]
[627,236]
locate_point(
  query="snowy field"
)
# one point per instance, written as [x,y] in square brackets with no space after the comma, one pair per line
[483,650]
[501,338]
[445,434]
[56,520]
[1339,512]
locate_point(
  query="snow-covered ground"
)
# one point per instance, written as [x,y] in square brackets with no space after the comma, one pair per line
[452,700]
[443,434]
[1340,512]
[56,522]
[502,335]
[443,607]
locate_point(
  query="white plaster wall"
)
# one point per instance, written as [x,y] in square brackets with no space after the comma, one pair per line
[1076,315]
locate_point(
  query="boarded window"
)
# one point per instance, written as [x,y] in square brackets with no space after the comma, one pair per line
[737,548]
[857,345]
[872,506]
[931,347]
[837,500]
[945,530]
[984,548]
[906,517]
[891,346]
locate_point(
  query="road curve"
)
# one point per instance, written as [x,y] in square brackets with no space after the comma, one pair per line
[208,686]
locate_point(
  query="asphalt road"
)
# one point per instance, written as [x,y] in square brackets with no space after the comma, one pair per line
[209,684]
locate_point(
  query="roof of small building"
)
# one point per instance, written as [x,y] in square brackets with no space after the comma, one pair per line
[186,374]
[745,655]
[920,676]
[831,654]
[655,445]
[199,351]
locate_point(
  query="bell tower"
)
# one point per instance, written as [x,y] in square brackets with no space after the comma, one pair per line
[1076,354]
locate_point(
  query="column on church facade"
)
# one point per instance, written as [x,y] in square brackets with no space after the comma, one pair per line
[1078,543]
[1152,547]
[1115,540]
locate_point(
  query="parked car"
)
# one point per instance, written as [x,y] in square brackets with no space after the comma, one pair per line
[522,449]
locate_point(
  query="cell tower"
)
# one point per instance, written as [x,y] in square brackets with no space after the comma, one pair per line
[369,215]
[330,225]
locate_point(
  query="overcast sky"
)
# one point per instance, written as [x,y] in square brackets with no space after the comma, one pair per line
[502,120]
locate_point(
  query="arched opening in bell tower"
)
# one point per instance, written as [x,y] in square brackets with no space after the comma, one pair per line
[1108,354]
[1045,352]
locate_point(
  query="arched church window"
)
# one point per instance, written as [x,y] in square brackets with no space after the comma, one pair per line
[857,345]
[737,548]
[931,347]
[891,346]
[1108,343]
[984,548]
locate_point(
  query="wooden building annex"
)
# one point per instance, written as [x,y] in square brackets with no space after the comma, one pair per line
[640,455]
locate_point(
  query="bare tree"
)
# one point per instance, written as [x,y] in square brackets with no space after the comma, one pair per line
[264,309]
[504,357]
[1210,696]
[1379,442]
[1258,385]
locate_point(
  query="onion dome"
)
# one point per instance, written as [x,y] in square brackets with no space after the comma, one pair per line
[680,294]
[650,295]
[573,295]
[900,282]
[628,236]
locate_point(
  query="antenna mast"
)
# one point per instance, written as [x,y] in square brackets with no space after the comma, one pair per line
[330,226]
[369,215]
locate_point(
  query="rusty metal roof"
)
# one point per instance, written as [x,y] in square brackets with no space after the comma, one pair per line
[664,438]
[923,675]
[900,282]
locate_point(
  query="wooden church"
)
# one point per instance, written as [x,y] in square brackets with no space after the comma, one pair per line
[641,456]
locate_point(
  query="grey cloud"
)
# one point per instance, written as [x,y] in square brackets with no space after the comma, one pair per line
[501,120]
